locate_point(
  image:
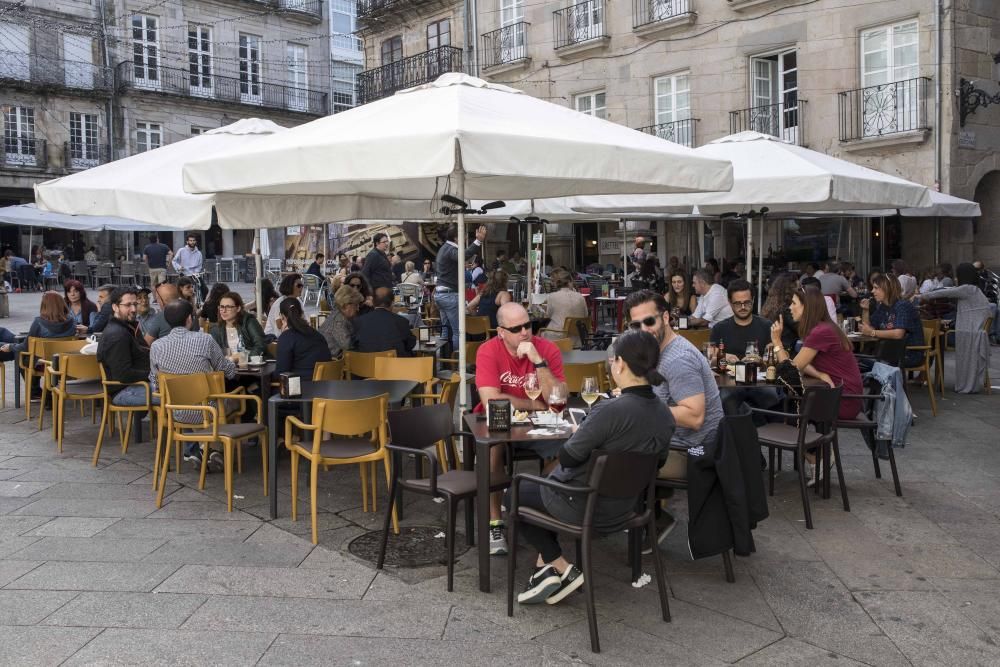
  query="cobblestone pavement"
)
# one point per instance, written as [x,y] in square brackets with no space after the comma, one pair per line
[92,572]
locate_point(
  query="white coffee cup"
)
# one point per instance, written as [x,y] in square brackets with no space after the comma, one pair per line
[257,359]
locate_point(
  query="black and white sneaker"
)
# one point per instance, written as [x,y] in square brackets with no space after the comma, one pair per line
[498,543]
[194,458]
[571,580]
[215,462]
[541,585]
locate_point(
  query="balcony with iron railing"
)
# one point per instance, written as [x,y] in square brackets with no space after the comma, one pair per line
[38,71]
[374,84]
[580,27]
[653,16]
[505,47]
[309,11]
[679,131]
[785,121]
[79,155]
[252,91]
[24,153]
[370,9]
[885,111]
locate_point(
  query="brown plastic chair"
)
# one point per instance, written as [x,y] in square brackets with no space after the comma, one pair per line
[41,350]
[328,370]
[612,475]
[110,409]
[477,327]
[194,393]
[471,348]
[570,330]
[417,369]
[361,427]
[924,367]
[575,373]
[362,364]
[418,432]
[564,344]
[816,431]
[74,377]
[934,354]
[698,338]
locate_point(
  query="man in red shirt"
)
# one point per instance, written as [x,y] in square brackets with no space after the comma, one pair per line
[502,364]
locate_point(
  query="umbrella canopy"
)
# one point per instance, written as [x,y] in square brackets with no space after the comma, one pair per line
[30,215]
[147,186]
[408,149]
[784,177]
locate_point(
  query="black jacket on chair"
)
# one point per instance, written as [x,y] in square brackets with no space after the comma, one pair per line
[726,497]
[382,330]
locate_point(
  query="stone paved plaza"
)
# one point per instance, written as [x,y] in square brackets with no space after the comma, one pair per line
[91,572]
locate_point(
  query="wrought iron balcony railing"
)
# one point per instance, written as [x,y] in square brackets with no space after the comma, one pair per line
[241,90]
[886,109]
[24,152]
[37,69]
[680,131]
[505,45]
[371,8]
[374,84]
[84,155]
[311,10]
[645,12]
[785,121]
[579,23]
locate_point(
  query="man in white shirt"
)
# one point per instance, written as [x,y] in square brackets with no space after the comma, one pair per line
[907,282]
[713,304]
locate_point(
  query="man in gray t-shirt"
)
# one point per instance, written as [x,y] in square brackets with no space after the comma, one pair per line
[832,283]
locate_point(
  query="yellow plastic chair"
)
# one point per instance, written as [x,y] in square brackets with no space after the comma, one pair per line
[925,366]
[478,325]
[362,364]
[564,344]
[698,338]
[116,411]
[934,353]
[328,370]
[575,373]
[41,350]
[77,378]
[193,393]
[359,437]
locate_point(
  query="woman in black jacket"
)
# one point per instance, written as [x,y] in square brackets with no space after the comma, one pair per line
[300,346]
[237,328]
[636,421]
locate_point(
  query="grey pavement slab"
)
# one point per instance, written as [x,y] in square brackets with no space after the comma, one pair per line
[13,489]
[180,529]
[84,549]
[30,607]
[11,570]
[11,545]
[623,645]
[66,526]
[790,652]
[98,491]
[362,618]
[41,646]
[349,581]
[199,510]
[12,526]
[88,508]
[120,646]
[221,552]
[70,576]
[126,610]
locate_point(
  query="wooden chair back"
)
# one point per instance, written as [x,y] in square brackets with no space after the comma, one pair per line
[329,370]
[564,344]
[190,389]
[78,367]
[477,325]
[353,418]
[417,369]
[43,349]
[698,337]
[575,373]
[362,364]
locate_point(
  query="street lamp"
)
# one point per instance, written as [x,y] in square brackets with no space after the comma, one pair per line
[971,98]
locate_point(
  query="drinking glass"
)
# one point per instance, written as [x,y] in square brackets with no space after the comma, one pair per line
[589,391]
[531,387]
[557,401]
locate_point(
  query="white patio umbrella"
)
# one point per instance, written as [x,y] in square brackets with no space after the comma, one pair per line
[147,186]
[458,135]
[30,215]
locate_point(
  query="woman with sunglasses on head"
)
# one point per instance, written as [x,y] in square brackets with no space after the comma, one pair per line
[291,286]
[636,421]
[237,328]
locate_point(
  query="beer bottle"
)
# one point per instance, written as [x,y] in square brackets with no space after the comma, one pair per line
[771,373]
[723,364]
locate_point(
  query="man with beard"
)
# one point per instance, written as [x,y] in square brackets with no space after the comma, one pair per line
[123,352]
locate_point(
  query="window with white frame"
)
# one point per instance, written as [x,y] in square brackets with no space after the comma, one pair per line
[249,58]
[342,25]
[19,143]
[200,60]
[15,51]
[146,51]
[298,80]
[83,146]
[592,104]
[513,38]
[672,108]
[148,136]
[195,130]
[890,66]
[774,91]
[344,86]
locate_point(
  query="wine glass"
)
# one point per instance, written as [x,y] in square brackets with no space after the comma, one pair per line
[557,401]
[531,388]
[589,391]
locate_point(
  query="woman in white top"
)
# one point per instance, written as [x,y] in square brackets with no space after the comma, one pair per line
[291,285]
[564,302]
[411,276]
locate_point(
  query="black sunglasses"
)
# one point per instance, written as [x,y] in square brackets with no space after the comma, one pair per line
[517,328]
[354,285]
[646,321]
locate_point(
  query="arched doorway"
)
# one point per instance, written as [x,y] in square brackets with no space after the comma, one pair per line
[986,231]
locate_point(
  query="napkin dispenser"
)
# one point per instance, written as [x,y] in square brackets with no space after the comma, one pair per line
[498,414]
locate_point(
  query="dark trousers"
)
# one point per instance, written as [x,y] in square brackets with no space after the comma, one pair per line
[545,541]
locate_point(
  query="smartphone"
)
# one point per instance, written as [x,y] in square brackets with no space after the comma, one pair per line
[577,415]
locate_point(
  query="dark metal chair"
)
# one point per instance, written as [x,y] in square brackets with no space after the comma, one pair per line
[417,432]
[866,424]
[612,475]
[816,430]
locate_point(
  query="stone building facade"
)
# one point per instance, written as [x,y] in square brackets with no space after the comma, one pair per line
[856,79]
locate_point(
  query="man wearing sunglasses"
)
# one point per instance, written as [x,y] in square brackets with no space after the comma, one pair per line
[689,387]
[502,365]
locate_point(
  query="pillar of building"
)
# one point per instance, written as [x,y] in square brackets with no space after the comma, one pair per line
[178,241]
[227,243]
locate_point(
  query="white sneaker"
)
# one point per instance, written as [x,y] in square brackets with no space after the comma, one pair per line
[498,543]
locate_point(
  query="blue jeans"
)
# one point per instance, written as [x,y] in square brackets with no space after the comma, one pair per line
[132,396]
[447,303]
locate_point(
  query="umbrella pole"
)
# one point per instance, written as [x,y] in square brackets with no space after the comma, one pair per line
[701,243]
[462,405]
[749,249]
[760,264]
[258,265]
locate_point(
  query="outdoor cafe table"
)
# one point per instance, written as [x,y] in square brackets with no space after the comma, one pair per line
[584,357]
[619,303]
[340,390]
[262,373]
[483,439]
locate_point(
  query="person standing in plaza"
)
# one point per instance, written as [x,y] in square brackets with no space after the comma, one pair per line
[377,270]
[446,294]
[188,261]
[155,256]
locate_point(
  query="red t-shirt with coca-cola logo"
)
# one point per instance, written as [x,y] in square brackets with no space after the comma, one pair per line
[497,367]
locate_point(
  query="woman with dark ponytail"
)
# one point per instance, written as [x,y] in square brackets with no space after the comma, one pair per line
[304,345]
[636,421]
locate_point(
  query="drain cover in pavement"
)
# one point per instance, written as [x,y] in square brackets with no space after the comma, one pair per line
[413,547]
